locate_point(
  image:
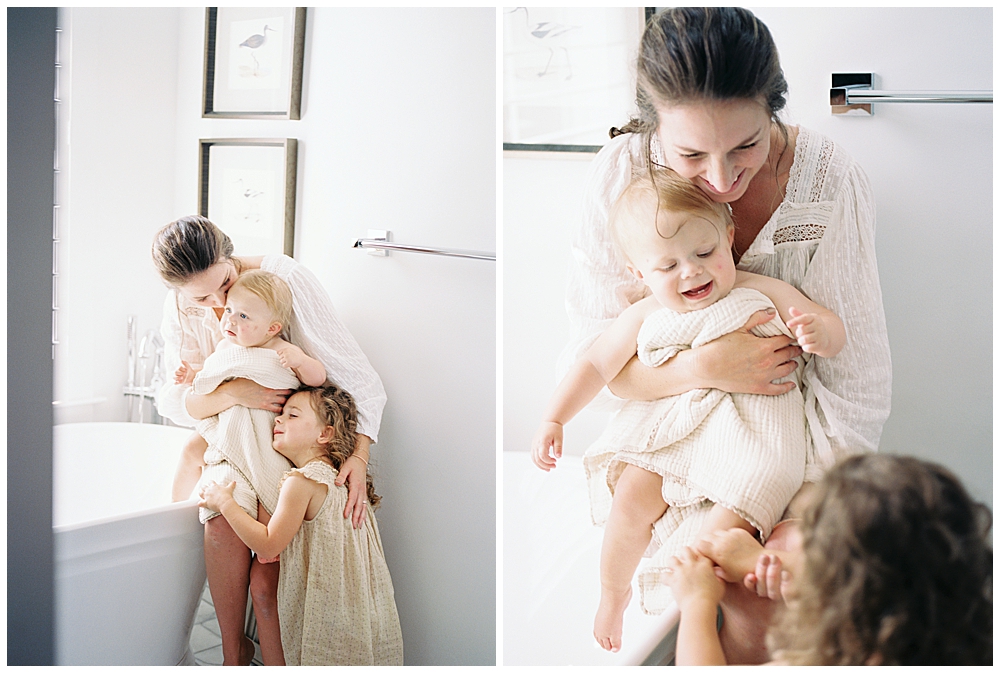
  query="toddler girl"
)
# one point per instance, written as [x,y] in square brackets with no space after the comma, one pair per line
[718,460]
[893,568]
[335,596]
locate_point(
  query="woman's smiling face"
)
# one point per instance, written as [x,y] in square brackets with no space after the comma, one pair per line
[718,145]
[211,286]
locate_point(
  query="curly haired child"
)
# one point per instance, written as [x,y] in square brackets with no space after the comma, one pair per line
[894,568]
[335,596]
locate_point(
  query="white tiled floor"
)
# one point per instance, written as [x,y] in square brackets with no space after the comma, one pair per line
[206,641]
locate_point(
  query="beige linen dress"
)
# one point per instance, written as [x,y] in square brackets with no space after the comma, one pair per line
[335,597]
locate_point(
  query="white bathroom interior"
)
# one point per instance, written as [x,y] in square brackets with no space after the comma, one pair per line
[930,166]
[397,132]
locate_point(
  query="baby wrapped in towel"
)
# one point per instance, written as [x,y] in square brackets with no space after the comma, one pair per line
[239,438]
[669,471]
[744,452]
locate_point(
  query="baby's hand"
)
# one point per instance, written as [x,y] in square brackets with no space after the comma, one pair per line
[809,331]
[184,374]
[214,495]
[692,579]
[735,551]
[291,356]
[546,447]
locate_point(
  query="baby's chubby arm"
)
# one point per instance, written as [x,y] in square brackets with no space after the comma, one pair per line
[309,371]
[817,329]
[601,363]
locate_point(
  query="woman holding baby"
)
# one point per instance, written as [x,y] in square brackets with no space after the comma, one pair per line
[196,261]
[710,88]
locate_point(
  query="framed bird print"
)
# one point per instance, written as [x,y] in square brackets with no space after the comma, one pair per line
[568,75]
[253,62]
[247,187]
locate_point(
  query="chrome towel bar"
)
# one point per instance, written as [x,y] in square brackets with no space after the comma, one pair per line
[378,242]
[854,96]
[854,93]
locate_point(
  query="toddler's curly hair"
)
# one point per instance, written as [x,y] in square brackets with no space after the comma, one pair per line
[898,570]
[335,407]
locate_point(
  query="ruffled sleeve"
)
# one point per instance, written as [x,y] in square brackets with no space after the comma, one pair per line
[178,344]
[318,331]
[848,396]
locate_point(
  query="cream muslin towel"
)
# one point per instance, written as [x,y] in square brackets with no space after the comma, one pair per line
[745,452]
[239,439]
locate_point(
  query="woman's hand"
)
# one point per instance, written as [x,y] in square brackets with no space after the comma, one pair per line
[252,395]
[243,392]
[354,471]
[740,362]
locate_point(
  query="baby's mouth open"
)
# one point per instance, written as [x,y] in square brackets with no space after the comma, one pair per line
[699,292]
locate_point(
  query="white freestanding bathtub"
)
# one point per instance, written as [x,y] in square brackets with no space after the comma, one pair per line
[551,585]
[129,564]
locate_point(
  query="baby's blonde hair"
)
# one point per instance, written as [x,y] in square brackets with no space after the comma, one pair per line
[649,194]
[272,290]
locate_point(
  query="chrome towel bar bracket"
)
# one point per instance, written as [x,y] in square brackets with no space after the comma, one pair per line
[377,243]
[854,93]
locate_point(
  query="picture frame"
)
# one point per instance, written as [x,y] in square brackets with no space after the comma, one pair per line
[246,186]
[568,75]
[253,62]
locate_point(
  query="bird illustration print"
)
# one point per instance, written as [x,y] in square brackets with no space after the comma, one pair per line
[255,42]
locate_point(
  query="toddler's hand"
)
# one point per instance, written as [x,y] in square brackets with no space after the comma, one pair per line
[692,579]
[809,331]
[735,551]
[184,374]
[546,447]
[769,580]
[214,495]
[291,356]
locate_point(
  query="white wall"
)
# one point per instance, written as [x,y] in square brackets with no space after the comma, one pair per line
[116,147]
[397,132]
[931,169]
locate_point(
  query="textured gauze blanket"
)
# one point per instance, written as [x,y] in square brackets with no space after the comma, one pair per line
[745,452]
[239,439]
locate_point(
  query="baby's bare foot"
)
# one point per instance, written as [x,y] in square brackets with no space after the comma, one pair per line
[735,551]
[608,622]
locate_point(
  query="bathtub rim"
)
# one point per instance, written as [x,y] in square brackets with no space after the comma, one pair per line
[132,427]
[152,511]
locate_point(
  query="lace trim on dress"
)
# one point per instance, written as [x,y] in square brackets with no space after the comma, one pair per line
[799,233]
[825,159]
